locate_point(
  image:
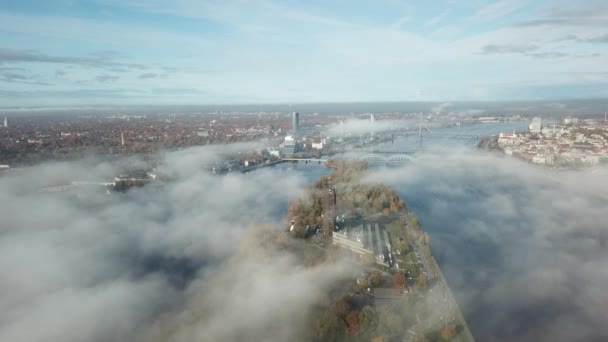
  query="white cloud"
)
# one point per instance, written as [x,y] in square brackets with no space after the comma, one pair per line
[437,19]
[514,240]
[499,9]
[93,267]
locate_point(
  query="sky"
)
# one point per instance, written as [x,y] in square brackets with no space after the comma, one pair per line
[94,52]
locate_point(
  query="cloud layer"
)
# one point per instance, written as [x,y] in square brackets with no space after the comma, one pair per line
[175,261]
[523,247]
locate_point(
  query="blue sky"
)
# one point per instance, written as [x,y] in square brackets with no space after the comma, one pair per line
[94,52]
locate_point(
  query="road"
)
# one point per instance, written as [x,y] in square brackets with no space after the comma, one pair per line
[440,296]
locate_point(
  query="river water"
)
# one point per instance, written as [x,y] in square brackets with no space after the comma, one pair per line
[420,198]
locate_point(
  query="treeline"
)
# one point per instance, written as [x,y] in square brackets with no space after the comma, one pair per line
[353,317]
[353,197]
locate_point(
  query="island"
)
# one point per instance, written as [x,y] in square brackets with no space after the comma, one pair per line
[395,290]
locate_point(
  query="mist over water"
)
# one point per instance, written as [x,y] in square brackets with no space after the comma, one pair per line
[522,247]
[308,172]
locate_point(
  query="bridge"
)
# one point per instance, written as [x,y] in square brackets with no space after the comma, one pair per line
[304,160]
[75,185]
[376,156]
[465,136]
[380,158]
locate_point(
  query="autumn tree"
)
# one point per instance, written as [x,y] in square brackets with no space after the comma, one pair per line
[399,280]
[341,307]
[363,283]
[376,278]
[421,281]
[352,322]
[368,322]
[329,327]
[448,332]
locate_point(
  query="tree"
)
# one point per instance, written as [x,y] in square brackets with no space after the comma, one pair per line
[421,281]
[341,307]
[328,327]
[448,332]
[399,280]
[352,322]
[368,321]
[363,283]
[376,278]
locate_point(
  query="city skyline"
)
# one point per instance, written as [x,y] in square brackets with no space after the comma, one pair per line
[70,53]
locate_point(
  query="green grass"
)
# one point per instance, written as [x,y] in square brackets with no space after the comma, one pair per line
[395,230]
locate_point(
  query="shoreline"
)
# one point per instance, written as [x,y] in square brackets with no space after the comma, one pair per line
[406,243]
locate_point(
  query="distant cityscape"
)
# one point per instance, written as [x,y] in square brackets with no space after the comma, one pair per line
[27,140]
[570,142]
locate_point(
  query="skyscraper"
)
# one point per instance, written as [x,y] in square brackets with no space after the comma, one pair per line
[295,122]
[6,122]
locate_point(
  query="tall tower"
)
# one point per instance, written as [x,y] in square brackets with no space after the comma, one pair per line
[295,122]
[122,138]
[6,122]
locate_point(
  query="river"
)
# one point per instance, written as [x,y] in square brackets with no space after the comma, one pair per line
[457,255]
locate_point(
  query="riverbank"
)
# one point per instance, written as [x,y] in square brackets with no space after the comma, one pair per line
[372,228]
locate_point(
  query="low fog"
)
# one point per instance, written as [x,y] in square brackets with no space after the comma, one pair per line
[159,263]
[357,127]
[524,248]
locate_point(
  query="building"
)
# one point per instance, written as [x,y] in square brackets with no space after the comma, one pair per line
[295,122]
[570,121]
[536,125]
[6,122]
[274,152]
[289,146]
[507,138]
[317,146]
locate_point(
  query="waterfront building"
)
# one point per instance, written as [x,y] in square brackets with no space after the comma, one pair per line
[536,125]
[289,146]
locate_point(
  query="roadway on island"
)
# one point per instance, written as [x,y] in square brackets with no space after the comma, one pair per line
[452,311]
